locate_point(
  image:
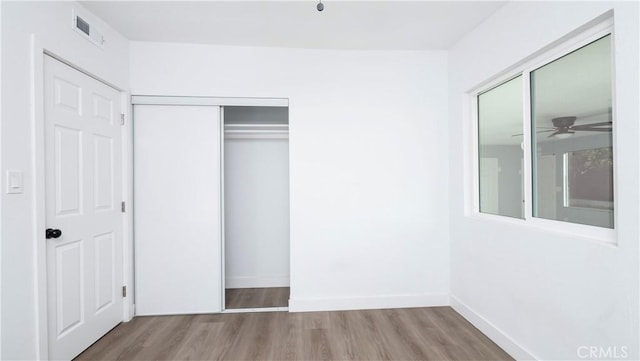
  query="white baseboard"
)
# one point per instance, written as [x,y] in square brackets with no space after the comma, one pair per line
[368,303]
[496,335]
[256,282]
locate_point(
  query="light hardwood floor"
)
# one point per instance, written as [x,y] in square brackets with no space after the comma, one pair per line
[436,333]
[256,297]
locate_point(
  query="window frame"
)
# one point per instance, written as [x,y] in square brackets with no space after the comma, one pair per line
[557,50]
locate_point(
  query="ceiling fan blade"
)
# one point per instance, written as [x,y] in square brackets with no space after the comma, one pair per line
[557,132]
[592,125]
[592,129]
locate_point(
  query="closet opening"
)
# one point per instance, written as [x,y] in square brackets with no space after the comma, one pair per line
[255,208]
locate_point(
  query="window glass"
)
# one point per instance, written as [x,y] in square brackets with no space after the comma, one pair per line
[572,148]
[589,178]
[500,149]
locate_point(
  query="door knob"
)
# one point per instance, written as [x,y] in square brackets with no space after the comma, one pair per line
[52,233]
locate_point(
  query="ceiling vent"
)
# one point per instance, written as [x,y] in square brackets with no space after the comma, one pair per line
[86,30]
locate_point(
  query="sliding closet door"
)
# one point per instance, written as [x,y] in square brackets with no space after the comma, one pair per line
[177,209]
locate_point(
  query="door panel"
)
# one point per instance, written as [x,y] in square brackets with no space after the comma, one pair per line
[68,170]
[83,183]
[68,95]
[177,209]
[103,109]
[69,284]
[104,262]
[103,173]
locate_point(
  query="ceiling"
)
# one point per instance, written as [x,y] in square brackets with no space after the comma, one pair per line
[362,25]
[572,86]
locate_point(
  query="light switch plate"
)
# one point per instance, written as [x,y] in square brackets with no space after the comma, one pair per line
[14,182]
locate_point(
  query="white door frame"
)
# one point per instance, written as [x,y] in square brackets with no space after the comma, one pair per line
[223,281]
[38,51]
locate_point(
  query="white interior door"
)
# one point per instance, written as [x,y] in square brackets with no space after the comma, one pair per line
[547,192]
[489,191]
[83,195]
[177,209]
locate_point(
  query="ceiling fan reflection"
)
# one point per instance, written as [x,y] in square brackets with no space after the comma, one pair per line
[565,126]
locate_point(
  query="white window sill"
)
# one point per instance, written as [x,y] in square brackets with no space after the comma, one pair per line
[599,235]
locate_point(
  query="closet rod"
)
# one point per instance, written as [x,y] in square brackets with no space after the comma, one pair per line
[256,131]
[257,125]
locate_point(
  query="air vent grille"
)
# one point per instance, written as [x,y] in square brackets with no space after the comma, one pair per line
[86,30]
[82,25]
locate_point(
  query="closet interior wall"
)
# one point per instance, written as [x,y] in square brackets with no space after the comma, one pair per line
[256,206]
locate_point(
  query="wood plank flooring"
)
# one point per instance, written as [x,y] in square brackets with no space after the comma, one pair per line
[256,297]
[436,333]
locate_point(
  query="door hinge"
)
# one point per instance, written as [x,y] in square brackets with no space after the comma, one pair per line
[122,207]
[121,118]
[124,291]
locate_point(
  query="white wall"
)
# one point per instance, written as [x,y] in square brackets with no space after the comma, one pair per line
[539,293]
[51,24]
[256,188]
[368,172]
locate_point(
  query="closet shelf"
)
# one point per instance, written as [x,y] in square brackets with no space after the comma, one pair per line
[256,135]
[256,131]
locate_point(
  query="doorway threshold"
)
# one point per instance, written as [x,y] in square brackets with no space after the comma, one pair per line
[257,309]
